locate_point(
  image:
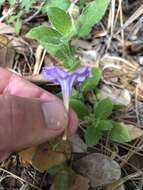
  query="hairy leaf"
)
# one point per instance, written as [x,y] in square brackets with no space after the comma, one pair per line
[62,4]
[105,125]
[90,16]
[119,133]
[92,136]
[59,19]
[91,83]
[103,109]
[45,34]
[79,107]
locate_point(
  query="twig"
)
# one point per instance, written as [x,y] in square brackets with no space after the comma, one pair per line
[9,13]
[38,55]
[35,14]
[19,178]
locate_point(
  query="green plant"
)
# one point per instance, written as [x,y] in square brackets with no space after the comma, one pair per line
[96,118]
[24,7]
[101,124]
[57,38]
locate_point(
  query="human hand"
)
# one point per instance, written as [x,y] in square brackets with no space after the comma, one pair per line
[29,115]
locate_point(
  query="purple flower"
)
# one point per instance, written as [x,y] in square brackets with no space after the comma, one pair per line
[66,79]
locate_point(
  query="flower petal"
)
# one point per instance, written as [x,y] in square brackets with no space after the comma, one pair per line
[83,73]
[54,74]
[66,79]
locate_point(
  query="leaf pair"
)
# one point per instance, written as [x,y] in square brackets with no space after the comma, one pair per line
[101,125]
[66,28]
[90,16]
[55,40]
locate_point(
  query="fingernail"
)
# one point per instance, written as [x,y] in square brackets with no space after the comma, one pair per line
[54,114]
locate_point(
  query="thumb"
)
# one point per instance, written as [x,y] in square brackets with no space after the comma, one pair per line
[26,122]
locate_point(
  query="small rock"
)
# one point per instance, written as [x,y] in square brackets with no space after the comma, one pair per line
[100,169]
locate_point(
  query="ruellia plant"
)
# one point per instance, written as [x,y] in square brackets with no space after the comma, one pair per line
[64,27]
[56,38]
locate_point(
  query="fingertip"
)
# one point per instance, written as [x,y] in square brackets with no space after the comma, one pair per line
[4,156]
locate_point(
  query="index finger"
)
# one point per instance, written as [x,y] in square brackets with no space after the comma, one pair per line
[12,84]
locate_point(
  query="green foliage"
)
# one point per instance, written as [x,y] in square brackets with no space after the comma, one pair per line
[79,107]
[103,109]
[92,82]
[62,181]
[2,2]
[62,4]
[100,124]
[12,2]
[92,136]
[27,4]
[45,34]
[59,19]
[63,177]
[70,28]
[81,4]
[56,169]
[53,42]
[90,16]
[18,25]
[119,133]
[104,125]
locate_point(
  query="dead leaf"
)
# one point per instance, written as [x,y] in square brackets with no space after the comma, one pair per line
[27,155]
[137,161]
[46,155]
[81,183]
[6,29]
[121,187]
[81,44]
[77,144]
[100,169]
[134,132]
[44,159]
[119,97]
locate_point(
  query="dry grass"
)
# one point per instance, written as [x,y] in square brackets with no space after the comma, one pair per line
[116,45]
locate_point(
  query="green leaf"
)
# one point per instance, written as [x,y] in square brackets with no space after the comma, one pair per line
[81,4]
[27,4]
[103,109]
[92,136]
[62,53]
[12,2]
[62,4]
[18,26]
[64,180]
[60,20]
[104,125]
[91,83]
[90,16]
[45,35]
[53,170]
[50,39]
[79,107]
[119,133]
[2,2]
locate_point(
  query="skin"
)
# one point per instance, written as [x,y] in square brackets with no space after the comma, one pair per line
[29,115]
